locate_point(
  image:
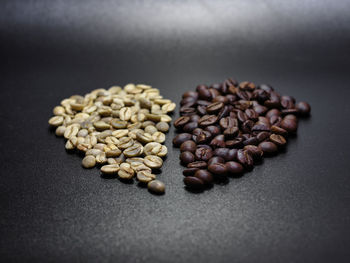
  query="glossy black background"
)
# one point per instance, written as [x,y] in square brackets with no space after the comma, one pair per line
[292,208]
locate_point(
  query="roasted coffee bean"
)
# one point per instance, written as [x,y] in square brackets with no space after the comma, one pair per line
[244,157]
[197,164]
[194,118]
[205,176]
[251,141]
[189,127]
[203,154]
[303,108]
[214,107]
[193,182]
[273,112]
[207,120]
[254,151]
[218,141]
[260,127]
[278,130]
[186,157]
[235,143]
[214,130]
[204,93]
[216,159]
[180,138]
[217,168]
[224,112]
[190,171]
[262,136]
[156,187]
[247,126]
[268,148]
[278,139]
[228,122]
[187,111]
[289,125]
[181,121]
[202,137]
[231,132]
[289,111]
[201,110]
[234,168]
[189,146]
[251,114]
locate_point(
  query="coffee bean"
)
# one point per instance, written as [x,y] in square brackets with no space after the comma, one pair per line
[190,171]
[261,136]
[244,157]
[132,151]
[205,176]
[89,161]
[181,121]
[278,130]
[145,176]
[216,159]
[231,132]
[214,130]
[214,107]
[193,182]
[217,168]
[207,120]
[268,148]
[153,161]
[278,139]
[235,143]
[162,126]
[189,127]
[203,154]
[197,164]
[156,187]
[218,142]
[254,151]
[289,125]
[110,169]
[234,168]
[186,157]
[303,108]
[56,121]
[189,146]
[180,138]
[228,122]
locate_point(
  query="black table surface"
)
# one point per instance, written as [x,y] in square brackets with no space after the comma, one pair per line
[291,208]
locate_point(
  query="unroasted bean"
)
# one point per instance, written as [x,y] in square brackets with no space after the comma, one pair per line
[71,130]
[162,126]
[89,161]
[56,121]
[145,176]
[153,161]
[125,114]
[125,171]
[158,137]
[125,142]
[118,124]
[156,187]
[110,169]
[60,130]
[151,129]
[133,151]
[144,137]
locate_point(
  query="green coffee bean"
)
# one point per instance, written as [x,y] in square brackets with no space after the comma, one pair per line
[125,142]
[56,121]
[153,161]
[60,130]
[144,137]
[158,137]
[133,151]
[125,171]
[145,176]
[101,125]
[110,169]
[89,161]
[162,126]
[151,129]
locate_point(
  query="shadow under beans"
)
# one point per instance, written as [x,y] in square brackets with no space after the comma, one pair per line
[108,176]
[126,181]
[141,185]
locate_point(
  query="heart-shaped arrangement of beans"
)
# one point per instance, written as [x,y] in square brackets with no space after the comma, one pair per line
[227,128]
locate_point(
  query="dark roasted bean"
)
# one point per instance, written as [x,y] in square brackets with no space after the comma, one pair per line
[251,141]
[235,143]
[278,139]
[203,154]
[214,107]
[244,157]
[197,164]
[207,120]
[278,130]
[268,148]
[181,121]
[205,176]
[189,127]
[231,132]
[188,146]
[218,141]
[186,157]
[262,136]
[228,122]
[190,171]
[289,125]
[217,168]
[234,168]
[216,159]
[254,151]
[303,108]
[180,138]
[193,182]
[214,130]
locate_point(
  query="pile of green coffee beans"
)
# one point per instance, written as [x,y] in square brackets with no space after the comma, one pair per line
[120,129]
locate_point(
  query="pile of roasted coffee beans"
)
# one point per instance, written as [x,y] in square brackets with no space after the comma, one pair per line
[226,128]
[123,130]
